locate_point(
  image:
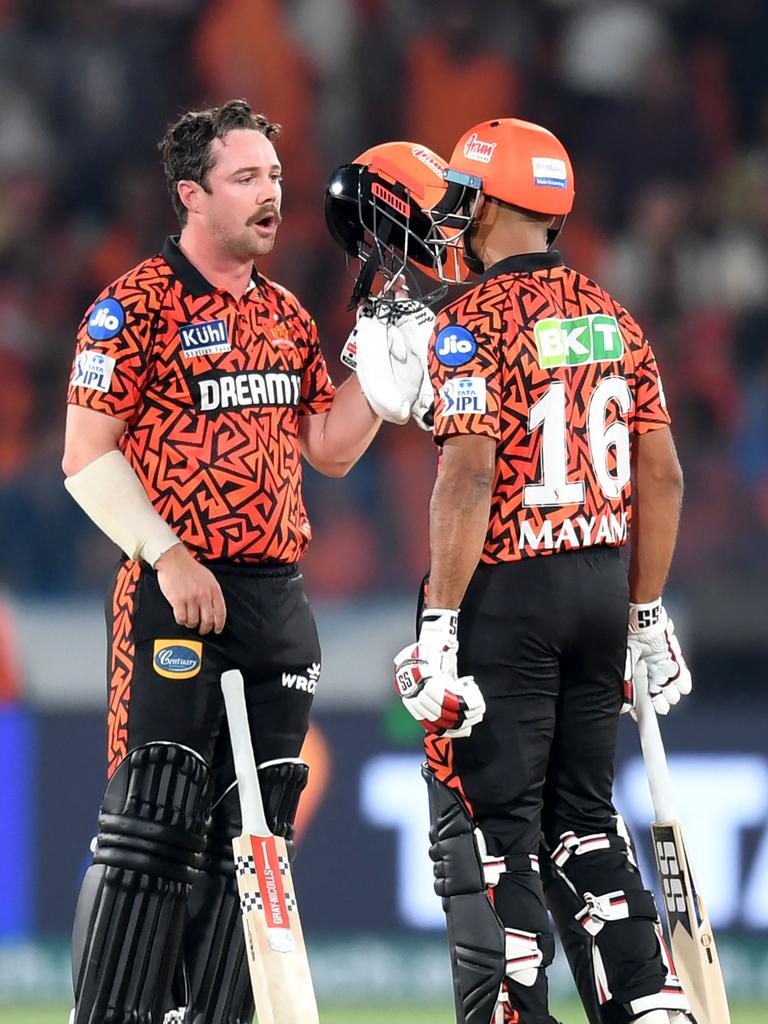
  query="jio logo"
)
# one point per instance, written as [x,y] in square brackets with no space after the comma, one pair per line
[106,320]
[455,346]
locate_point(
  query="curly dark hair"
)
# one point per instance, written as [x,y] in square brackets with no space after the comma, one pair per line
[186,145]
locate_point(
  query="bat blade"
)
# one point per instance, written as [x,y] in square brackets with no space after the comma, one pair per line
[690,933]
[274,942]
[277,956]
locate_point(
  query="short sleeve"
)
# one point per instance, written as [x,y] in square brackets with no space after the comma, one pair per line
[650,404]
[317,389]
[110,365]
[466,375]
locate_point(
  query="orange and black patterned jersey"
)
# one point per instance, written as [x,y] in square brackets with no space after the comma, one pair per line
[543,360]
[211,390]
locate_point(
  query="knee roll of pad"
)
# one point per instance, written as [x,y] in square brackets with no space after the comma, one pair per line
[130,913]
[282,783]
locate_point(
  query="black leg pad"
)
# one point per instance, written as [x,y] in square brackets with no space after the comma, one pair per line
[214,945]
[130,913]
[476,936]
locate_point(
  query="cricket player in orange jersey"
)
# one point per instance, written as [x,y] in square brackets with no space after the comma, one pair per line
[547,402]
[197,387]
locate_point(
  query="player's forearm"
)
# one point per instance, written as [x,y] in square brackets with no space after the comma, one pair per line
[656,514]
[345,433]
[458,523]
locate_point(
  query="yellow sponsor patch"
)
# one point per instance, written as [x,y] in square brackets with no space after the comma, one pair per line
[177,659]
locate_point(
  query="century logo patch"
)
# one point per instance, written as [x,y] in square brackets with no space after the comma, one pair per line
[177,659]
[206,338]
[594,338]
[216,393]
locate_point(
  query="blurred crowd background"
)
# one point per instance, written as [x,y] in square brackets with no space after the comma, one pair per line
[663,105]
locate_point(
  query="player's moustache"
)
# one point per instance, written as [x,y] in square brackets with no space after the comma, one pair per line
[265,211]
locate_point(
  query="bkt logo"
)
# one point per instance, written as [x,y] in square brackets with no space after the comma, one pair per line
[595,338]
[455,346]
[106,320]
[463,396]
[307,683]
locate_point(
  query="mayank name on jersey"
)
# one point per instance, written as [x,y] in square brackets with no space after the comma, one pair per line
[578,532]
[594,338]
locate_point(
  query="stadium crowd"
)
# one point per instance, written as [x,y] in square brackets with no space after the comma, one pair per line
[663,105]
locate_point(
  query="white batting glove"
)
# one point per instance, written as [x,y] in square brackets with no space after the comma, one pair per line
[653,648]
[390,374]
[441,703]
[417,326]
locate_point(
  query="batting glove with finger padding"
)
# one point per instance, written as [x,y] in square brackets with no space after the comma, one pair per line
[654,650]
[441,703]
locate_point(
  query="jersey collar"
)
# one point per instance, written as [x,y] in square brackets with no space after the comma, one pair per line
[189,275]
[524,263]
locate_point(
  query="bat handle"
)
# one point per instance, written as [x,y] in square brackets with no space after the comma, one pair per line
[655,758]
[249,791]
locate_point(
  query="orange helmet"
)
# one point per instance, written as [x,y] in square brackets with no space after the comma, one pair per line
[513,161]
[376,208]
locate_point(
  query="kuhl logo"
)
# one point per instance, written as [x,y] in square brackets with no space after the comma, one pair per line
[204,338]
[307,683]
[477,149]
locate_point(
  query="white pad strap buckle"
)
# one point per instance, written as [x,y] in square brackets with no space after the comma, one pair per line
[611,906]
[571,845]
[523,956]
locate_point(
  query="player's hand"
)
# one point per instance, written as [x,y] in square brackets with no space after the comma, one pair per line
[654,650]
[441,703]
[387,349]
[416,326]
[192,591]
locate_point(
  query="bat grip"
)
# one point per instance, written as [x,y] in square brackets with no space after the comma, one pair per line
[655,758]
[249,791]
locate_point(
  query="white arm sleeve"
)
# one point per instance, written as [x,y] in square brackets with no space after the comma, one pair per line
[109,491]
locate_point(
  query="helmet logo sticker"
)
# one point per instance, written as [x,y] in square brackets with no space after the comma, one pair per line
[390,199]
[476,149]
[549,171]
[429,160]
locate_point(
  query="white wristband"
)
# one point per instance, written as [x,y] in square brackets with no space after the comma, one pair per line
[109,491]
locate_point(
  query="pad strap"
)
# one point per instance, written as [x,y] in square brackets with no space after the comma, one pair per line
[571,845]
[615,906]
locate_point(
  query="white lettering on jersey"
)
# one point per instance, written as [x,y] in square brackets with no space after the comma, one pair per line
[574,533]
[248,390]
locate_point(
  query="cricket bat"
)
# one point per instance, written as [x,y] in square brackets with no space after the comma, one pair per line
[690,932]
[277,957]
